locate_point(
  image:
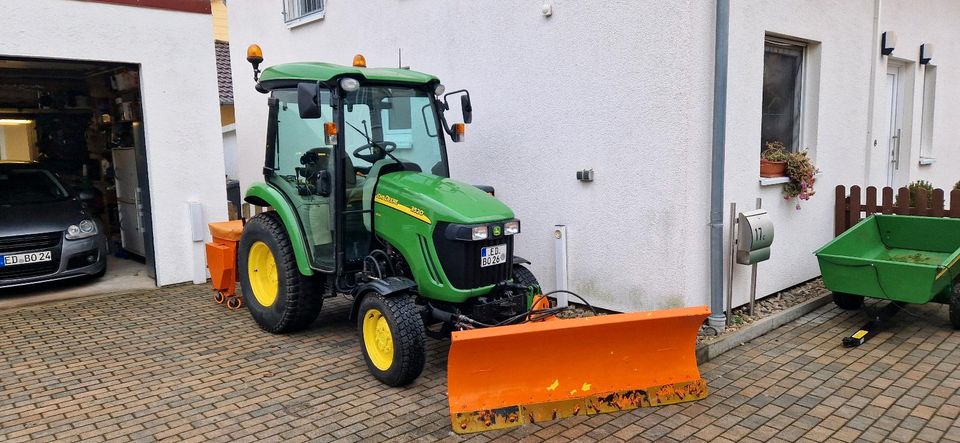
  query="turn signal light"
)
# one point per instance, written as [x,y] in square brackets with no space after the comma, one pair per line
[458,131]
[359,61]
[330,131]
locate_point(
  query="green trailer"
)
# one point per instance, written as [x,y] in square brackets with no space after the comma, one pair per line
[903,259]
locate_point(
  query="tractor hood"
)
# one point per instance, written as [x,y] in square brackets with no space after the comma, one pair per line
[432,199]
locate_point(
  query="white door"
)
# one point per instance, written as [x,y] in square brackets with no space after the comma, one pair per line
[891,133]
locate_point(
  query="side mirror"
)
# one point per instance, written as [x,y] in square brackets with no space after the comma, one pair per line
[467,108]
[308,100]
[323,183]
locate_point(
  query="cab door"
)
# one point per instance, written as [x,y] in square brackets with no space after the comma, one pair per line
[304,170]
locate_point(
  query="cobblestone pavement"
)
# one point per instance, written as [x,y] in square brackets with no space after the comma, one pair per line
[171,364]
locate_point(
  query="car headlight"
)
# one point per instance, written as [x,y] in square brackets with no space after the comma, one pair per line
[511,227]
[480,233]
[84,229]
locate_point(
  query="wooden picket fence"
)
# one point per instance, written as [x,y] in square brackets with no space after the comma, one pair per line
[850,209]
[246,210]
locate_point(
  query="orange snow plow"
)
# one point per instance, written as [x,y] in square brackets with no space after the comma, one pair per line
[507,376]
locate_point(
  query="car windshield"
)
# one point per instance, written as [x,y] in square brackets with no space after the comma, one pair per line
[24,186]
[399,119]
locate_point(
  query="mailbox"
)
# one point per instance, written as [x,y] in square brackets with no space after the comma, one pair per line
[755,237]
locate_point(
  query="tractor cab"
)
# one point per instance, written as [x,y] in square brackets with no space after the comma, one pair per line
[333,132]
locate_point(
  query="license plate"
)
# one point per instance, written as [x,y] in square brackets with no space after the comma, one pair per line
[493,255]
[25,258]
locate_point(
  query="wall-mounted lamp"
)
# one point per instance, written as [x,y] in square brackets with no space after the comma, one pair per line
[926,53]
[888,41]
[546,9]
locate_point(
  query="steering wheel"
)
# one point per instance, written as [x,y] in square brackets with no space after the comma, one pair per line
[378,150]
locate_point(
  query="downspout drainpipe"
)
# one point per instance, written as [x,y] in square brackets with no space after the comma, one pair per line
[718,319]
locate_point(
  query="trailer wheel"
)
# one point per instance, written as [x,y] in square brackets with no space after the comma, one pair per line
[955,306]
[279,297]
[848,302]
[392,338]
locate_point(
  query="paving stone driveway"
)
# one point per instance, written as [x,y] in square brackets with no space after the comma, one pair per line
[170,364]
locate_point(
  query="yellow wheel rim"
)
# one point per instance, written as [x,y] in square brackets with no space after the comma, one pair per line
[377,339]
[262,272]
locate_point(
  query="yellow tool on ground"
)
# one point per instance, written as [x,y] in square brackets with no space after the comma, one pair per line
[506,376]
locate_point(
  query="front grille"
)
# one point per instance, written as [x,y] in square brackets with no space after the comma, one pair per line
[31,270]
[461,260]
[27,243]
[30,243]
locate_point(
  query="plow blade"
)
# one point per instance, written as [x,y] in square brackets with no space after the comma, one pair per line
[507,376]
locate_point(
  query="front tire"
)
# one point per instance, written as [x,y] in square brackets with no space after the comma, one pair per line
[279,297]
[392,338]
[849,302]
[523,276]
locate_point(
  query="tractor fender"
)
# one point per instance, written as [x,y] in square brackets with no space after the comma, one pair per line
[262,194]
[518,260]
[384,287]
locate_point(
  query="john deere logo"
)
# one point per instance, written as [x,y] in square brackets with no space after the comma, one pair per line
[496,231]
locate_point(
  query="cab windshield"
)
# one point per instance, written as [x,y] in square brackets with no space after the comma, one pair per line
[392,124]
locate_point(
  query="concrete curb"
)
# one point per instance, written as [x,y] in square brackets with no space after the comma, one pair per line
[709,351]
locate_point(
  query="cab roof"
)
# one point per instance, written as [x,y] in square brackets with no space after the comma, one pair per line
[325,71]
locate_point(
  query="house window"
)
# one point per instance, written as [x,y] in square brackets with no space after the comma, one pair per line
[295,11]
[782,88]
[926,116]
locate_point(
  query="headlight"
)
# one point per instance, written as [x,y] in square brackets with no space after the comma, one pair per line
[439,90]
[349,84]
[480,233]
[511,227]
[84,229]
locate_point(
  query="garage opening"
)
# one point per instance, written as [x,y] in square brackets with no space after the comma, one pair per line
[74,191]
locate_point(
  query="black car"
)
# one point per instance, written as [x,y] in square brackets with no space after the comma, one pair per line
[46,233]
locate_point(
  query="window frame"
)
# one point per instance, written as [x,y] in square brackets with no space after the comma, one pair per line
[928,100]
[801,92]
[304,17]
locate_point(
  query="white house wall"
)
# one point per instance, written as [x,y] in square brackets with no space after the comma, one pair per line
[839,34]
[841,50]
[619,89]
[624,88]
[936,22]
[180,103]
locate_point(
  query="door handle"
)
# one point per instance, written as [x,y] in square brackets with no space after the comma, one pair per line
[896,151]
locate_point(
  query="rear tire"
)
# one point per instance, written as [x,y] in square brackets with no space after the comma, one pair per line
[955,306]
[279,297]
[392,338]
[849,302]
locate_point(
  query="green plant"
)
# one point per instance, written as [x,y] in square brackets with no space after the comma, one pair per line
[801,172]
[915,188]
[775,152]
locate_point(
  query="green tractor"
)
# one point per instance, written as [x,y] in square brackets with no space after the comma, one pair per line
[357,177]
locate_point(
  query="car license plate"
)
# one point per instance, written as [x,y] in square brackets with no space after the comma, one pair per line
[493,255]
[25,258]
